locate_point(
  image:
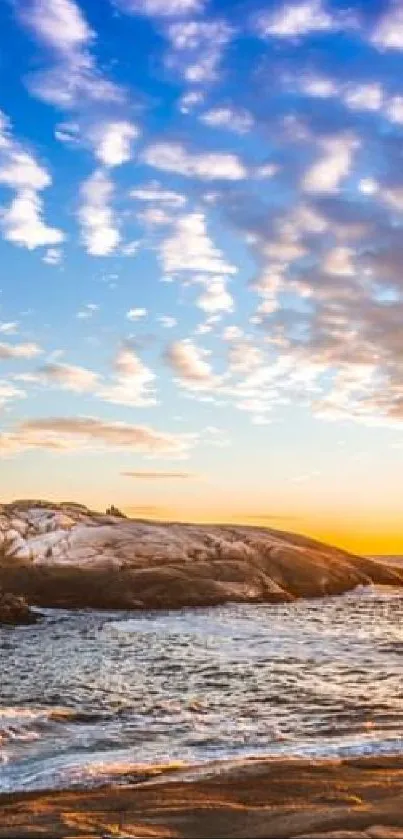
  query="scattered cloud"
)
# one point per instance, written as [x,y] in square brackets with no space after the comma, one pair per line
[136,314]
[14,351]
[388,31]
[8,328]
[53,256]
[189,249]
[133,383]
[167,321]
[64,434]
[87,311]
[394,109]
[215,297]
[333,166]
[294,20]
[9,393]
[22,221]
[233,119]
[113,142]
[338,261]
[197,48]
[72,78]
[70,377]
[153,193]
[174,157]
[364,97]
[189,364]
[161,8]
[189,100]
[100,233]
[157,476]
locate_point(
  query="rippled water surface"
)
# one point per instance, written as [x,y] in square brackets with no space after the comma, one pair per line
[87,695]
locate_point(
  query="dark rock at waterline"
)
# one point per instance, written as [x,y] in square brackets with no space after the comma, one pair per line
[14,610]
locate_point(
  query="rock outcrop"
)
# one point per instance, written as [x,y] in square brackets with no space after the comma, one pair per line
[64,555]
[14,610]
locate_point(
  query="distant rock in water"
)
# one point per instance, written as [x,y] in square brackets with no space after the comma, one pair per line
[14,610]
[64,555]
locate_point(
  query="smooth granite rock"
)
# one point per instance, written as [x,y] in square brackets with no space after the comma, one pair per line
[64,555]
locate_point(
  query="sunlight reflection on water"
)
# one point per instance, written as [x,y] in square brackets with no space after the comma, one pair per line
[85,695]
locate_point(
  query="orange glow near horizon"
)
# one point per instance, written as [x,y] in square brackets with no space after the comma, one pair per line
[362,537]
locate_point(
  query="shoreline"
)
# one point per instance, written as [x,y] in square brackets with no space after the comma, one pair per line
[269,797]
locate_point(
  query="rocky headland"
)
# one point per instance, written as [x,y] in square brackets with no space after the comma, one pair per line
[67,556]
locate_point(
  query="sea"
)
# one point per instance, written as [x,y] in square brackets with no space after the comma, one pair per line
[88,697]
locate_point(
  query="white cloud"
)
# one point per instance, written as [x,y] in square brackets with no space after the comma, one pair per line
[368,186]
[8,328]
[22,221]
[243,356]
[87,311]
[393,197]
[364,97]
[388,33]
[293,20]
[207,166]
[113,141]
[167,321]
[215,297]
[161,8]
[338,261]
[70,377]
[68,132]
[189,249]
[64,434]
[265,170]
[189,364]
[57,23]
[131,248]
[232,333]
[136,314]
[100,234]
[154,193]
[333,166]
[239,121]
[8,393]
[394,109]
[154,217]
[13,351]
[318,86]
[19,170]
[197,48]
[189,100]
[53,256]
[72,78]
[133,384]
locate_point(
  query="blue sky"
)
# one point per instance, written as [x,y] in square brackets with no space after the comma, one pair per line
[200,216]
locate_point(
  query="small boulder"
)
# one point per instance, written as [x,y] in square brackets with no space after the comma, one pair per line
[15,611]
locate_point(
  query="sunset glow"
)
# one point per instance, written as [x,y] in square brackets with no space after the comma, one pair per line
[201,298]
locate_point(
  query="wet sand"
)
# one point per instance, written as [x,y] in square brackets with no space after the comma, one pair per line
[338,799]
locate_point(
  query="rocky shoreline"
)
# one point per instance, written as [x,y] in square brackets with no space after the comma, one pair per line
[304,799]
[66,556]
[14,611]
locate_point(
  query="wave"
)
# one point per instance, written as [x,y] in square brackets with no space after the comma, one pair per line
[29,724]
[375,590]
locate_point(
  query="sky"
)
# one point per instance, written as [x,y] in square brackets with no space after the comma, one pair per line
[201,251]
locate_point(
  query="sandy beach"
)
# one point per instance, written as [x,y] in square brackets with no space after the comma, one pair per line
[255,798]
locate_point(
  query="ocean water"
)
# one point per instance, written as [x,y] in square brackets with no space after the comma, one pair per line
[88,696]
